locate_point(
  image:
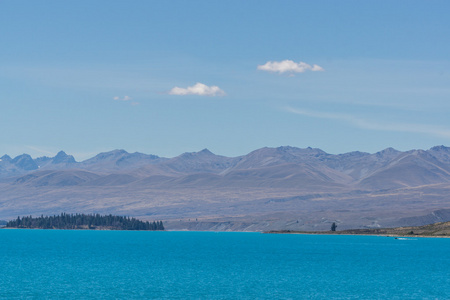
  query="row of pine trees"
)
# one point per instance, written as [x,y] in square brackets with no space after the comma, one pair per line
[84,221]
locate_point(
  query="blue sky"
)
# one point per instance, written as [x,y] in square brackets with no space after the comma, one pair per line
[167,77]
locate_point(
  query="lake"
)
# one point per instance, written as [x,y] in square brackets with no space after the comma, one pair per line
[71,264]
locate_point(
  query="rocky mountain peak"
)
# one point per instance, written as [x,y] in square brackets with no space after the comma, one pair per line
[205,152]
[109,155]
[440,148]
[24,162]
[388,152]
[62,157]
[5,158]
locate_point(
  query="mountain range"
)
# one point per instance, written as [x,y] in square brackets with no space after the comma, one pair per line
[266,189]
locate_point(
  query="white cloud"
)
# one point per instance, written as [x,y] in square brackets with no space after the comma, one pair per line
[288,66]
[198,89]
[316,68]
[376,125]
[124,98]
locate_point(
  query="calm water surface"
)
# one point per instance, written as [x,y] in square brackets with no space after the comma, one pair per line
[66,264]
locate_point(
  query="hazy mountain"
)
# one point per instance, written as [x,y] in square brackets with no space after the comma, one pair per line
[269,188]
[62,157]
[413,168]
[5,158]
[119,160]
[111,180]
[267,157]
[60,161]
[21,164]
[200,162]
[282,166]
[442,153]
[289,175]
[6,167]
[57,178]
[359,165]
[24,162]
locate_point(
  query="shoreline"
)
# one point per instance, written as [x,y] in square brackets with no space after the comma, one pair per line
[403,236]
[84,229]
[407,236]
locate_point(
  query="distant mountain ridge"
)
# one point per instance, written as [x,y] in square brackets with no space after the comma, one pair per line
[277,186]
[285,165]
[106,161]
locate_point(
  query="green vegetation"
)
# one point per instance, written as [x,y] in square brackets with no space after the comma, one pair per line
[333,226]
[83,221]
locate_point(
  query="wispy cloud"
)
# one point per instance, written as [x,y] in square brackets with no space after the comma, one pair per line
[198,89]
[288,66]
[124,98]
[37,150]
[375,125]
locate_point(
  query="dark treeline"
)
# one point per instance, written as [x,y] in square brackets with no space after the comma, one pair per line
[83,221]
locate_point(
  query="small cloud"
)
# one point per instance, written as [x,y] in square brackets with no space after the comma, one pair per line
[198,89]
[124,98]
[289,66]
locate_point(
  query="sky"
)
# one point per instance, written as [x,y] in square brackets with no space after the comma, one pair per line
[168,77]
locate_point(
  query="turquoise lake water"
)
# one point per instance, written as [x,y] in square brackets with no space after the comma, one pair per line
[69,264]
